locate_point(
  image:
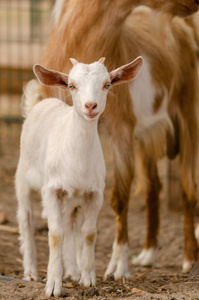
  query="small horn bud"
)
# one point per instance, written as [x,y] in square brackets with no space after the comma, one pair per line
[102,60]
[73,61]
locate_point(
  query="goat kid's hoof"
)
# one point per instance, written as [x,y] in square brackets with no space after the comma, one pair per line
[31,276]
[117,275]
[53,288]
[88,279]
[120,275]
[109,277]
[72,276]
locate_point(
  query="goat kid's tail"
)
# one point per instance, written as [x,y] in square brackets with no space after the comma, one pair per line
[30,97]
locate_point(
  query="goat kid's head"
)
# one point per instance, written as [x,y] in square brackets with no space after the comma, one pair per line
[89,83]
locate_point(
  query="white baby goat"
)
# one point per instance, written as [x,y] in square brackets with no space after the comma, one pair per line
[61,156]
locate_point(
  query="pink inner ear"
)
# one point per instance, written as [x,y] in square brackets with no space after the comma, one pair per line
[50,77]
[58,80]
[127,72]
[116,76]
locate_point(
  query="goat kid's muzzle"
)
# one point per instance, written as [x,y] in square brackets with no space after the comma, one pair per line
[91,116]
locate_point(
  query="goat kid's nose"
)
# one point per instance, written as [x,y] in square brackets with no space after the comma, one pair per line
[90,106]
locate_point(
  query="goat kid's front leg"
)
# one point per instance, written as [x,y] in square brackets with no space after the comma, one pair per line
[92,205]
[118,264]
[53,211]
[72,245]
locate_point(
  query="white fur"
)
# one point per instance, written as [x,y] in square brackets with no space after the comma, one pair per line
[61,153]
[32,91]
[143,94]
[72,240]
[187,266]
[118,264]
[145,258]
[197,232]
[61,150]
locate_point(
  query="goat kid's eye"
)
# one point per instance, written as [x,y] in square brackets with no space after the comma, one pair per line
[71,87]
[107,85]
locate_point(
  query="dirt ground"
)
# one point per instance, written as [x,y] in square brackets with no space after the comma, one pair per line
[164,281]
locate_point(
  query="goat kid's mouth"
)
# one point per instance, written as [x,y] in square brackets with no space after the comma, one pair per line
[91,115]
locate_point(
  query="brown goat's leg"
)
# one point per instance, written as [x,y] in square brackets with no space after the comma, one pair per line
[147,255]
[119,202]
[152,205]
[191,247]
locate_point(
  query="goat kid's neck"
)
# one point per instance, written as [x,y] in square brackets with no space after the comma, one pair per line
[82,128]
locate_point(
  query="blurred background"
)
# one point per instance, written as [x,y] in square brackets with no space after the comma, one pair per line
[24,29]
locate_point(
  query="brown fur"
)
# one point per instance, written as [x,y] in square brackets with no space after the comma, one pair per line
[90,238]
[158,102]
[61,194]
[88,30]
[152,204]
[191,247]
[75,212]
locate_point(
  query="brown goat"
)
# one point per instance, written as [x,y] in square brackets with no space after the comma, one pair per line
[153,117]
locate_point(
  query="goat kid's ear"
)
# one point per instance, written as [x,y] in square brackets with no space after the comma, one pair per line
[50,77]
[127,72]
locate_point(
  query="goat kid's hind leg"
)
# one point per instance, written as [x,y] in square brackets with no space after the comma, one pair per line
[53,211]
[118,264]
[26,226]
[92,205]
[153,187]
[72,239]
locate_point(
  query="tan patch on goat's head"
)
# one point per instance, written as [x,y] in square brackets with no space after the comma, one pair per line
[56,240]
